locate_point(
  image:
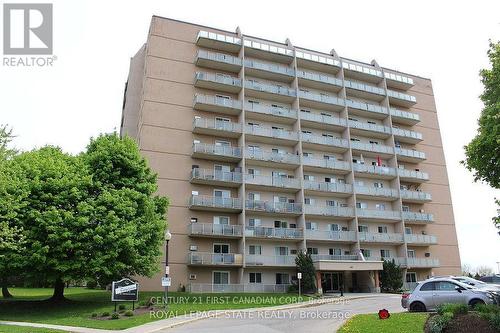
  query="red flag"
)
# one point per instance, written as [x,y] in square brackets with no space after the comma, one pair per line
[379,161]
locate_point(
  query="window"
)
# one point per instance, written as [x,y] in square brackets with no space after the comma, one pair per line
[366,253]
[253,196]
[378,185]
[280,224]
[326,114]
[335,252]
[334,227]
[382,229]
[411,253]
[305,110]
[221,248]
[306,132]
[385,253]
[411,277]
[362,228]
[406,208]
[255,277]
[309,177]
[221,220]
[221,277]
[408,231]
[444,286]
[282,278]
[281,250]
[308,201]
[374,142]
[255,249]
[331,203]
[311,226]
[380,206]
[254,222]
[429,286]
[361,205]
[312,250]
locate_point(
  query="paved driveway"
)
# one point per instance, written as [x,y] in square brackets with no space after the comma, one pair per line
[315,319]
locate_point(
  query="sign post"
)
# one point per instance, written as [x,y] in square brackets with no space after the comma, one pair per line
[299,276]
[125,290]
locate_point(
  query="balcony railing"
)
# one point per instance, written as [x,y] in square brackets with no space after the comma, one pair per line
[216,175]
[237,288]
[324,140]
[376,191]
[217,101]
[260,260]
[326,163]
[379,214]
[413,117]
[399,78]
[259,45]
[321,98]
[215,202]
[372,147]
[404,173]
[327,187]
[330,120]
[416,195]
[219,37]
[410,153]
[422,262]
[284,182]
[327,79]
[366,107]
[272,156]
[219,57]
[226,126]
[222,79]
[271,110]
[271,132]
[362,69]
[217,150]
[370,127]
[316,257]
[420,239]
[347,236]
[329,211]
[270,88]
[266,232]
[284,70]
[418,217]
[407,133]
[401,96]
[326,60]
[203,258]
[380,237]
[209,229]
[364,87]
[374,170]
[273,207]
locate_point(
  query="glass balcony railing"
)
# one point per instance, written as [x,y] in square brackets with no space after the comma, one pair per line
[237,288]
[266,232]
[316,257]
[321,98]
[220,150]
[283,182]
[404,173]
[317,58]
[372,147]
[405,115]
[420,239]
[366,107]
[416,195]
[209,229]
[219,125]
[410,153]
[370,127]
[259,45]
[219,57]
[418,217]
[273,68]
[421,262]
[374,170]
[270,156]
[365,69]
[219,37]
[329,211]
[327,187]
[204,258]
[319,118]
[322,78]
[347,236]
[217,101]
[379,214]
[324,140]
[270,88]
[271,110]
[401,96]
[271,133]
[375,191]
[326,163]
[222,79]
[399,78]
[273,207]
[215,202]
[380,237]
[407,133]
[260,260]
[364,87]
[216,175]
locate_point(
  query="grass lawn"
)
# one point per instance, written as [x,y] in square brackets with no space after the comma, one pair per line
[28,305]
[22,329]
[397,323]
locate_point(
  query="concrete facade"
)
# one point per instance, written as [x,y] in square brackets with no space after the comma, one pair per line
[266,149]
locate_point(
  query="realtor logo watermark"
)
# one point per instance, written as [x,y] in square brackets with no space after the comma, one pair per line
[28,30]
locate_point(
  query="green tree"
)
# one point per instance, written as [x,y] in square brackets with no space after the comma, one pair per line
[483,152]
[305,265]
[391,279]
[6,138]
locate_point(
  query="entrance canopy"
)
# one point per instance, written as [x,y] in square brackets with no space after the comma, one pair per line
[347,265]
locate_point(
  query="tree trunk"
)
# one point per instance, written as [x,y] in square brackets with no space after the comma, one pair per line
[5,290]
[58,295]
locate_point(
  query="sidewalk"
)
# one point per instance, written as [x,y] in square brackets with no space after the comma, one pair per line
[184,319]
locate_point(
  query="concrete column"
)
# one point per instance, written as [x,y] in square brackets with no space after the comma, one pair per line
[318,283]
[377,284]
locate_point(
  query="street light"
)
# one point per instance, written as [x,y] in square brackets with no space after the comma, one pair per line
[168,237]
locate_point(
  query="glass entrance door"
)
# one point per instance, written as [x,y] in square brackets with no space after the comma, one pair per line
[331,281]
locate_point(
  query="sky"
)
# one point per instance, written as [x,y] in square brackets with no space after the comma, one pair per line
[81,95]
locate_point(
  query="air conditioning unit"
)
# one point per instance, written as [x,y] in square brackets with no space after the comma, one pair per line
[421,211]
[427,254]
[343,205]
[192,276]
[193,248]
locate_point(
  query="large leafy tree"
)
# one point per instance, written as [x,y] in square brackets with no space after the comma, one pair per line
[483,152]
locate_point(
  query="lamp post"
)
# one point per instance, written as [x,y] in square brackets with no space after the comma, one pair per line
[168,237]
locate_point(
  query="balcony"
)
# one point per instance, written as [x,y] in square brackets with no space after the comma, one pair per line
[398,81]
[315,120]
[218,41]
[271,135]
[274,233]
[410,155]
[366,91]
[270,51]
[378,215]
[237,288]
[217,104]
[318,62]
[418,218]
[404,117]
[271,113]
[214,230]
[319,81]
[219,61]
[320,142]
[216,152]
[329,211]
[415,196]
[214,259]
[272,208]
[218,204]
[372,130]
[328,188]
[407,136]
[321,164]
[328,235]
[216,177]
[220,128]
[217,82]
[374,171]
[269,91]
[316,257]
[413,176]
[424,240]
[376,192]
[364,109]
[270,158]
[372,149]
[421,263]
[386,238]
[320,101]
[401,99]
[269,71]
[272,183]
[362,72]
[260,260]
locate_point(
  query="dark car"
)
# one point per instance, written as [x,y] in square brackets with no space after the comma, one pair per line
[491,279]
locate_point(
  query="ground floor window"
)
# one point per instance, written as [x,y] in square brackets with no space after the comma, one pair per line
[255,277]
[282,278]
[411,277]
[221,277]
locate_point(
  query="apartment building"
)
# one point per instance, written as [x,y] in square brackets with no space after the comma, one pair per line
[266,149]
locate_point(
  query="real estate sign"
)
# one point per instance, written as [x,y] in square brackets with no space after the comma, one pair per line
[124,290]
